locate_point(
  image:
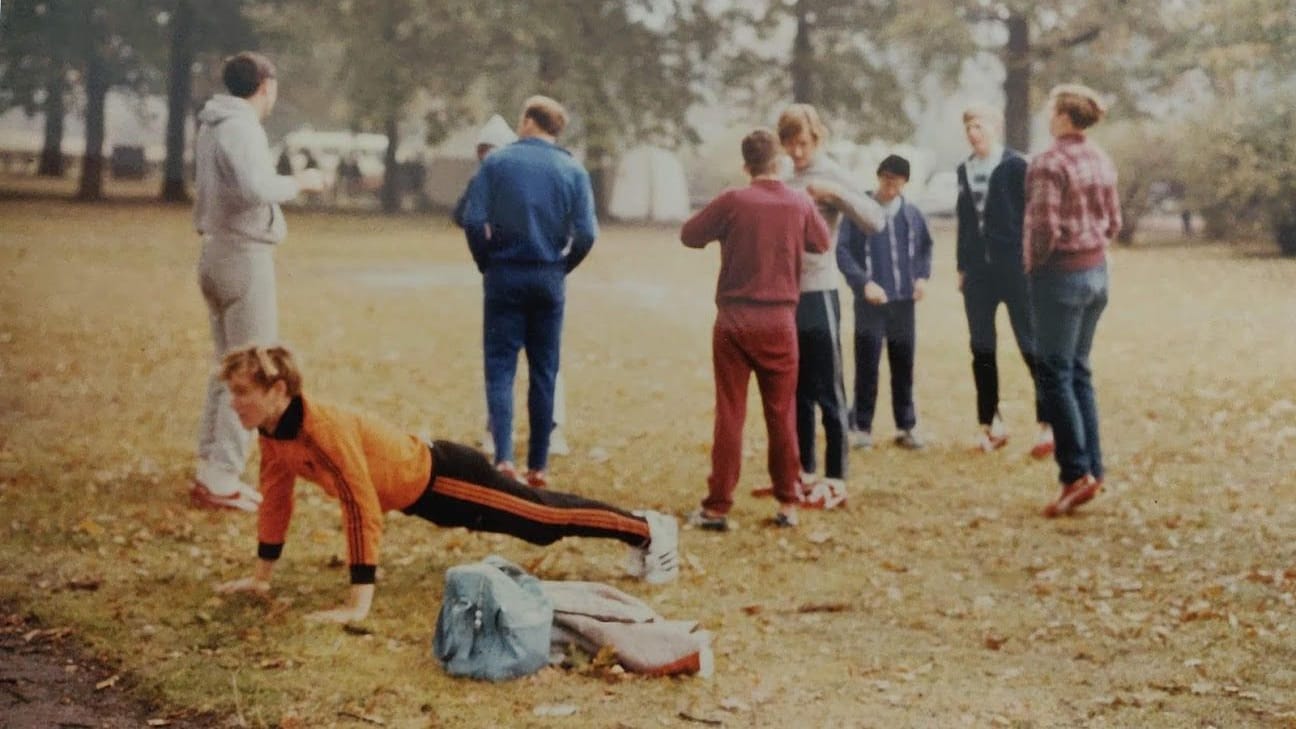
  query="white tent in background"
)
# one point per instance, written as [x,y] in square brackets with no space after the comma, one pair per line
[649,185]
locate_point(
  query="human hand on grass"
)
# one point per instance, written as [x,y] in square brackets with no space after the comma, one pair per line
[874,294]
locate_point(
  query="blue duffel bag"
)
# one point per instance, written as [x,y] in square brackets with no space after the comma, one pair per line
[494,622]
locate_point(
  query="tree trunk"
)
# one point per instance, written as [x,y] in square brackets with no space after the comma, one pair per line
[96,90]
[1017,64]
[1285,236]
[391,193]
[599,163]
[51,159]
[179,90]
[803,90]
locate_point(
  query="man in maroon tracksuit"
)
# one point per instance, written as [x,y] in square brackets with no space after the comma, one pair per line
[763,230]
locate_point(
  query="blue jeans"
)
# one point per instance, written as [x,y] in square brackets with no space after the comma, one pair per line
[1067,305]
[523,309]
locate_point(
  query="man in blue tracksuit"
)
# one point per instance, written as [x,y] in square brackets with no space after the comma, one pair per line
[888,271]
[529,219]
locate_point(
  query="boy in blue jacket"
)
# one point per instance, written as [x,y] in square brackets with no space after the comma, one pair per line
[888,273]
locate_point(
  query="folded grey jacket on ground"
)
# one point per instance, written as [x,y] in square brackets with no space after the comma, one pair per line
[592,615]
[237,191]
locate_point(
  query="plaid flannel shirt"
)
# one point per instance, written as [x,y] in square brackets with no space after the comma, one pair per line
[1072,209]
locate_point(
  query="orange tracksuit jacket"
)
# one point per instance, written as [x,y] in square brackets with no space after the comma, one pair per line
[369,466]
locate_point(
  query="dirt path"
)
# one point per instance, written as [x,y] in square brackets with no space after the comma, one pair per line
[48,682]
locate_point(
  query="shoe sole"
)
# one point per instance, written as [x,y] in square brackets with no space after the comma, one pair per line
[1039,453]
[995,445]
[1068,503]
[200,497]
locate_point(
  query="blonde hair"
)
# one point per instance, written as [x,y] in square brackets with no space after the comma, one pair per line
[1080,103]
[547,113]
[798,118]
[985,113]
[265,365]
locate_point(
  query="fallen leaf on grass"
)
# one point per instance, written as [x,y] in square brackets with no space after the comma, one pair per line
[994,642]
[89,527]
[819,537]
[108,682]
[695,564]
[368,718]
[823,607]
[890,566]
[555,710]
[88,584]
[730,703]
[700,719]
[753,609]
[159,722]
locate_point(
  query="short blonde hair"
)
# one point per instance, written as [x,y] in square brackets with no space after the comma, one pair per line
[547,113]
[985,113]
[1081,103]
[798,118]
[265,365]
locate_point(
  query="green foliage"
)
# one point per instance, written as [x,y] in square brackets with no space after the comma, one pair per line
[1242,169]
[838,61]
[628,74]
[28,59]
[1104,43]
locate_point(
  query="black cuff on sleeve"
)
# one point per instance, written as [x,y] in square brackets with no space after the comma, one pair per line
[363,574]
[269,552]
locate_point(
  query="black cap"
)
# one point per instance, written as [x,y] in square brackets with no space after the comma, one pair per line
[896,165]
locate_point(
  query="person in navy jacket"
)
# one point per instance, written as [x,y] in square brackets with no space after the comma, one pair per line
[888,273]
[991,204]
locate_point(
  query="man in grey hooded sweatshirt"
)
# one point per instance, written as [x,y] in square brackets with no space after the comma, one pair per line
[237,214]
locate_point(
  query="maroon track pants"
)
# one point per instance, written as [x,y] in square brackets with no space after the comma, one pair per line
[763,339]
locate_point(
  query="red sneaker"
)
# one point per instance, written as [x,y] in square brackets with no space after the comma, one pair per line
[506,468]
[1080,491]
[537,479]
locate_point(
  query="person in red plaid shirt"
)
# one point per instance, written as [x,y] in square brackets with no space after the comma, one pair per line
[1072,214]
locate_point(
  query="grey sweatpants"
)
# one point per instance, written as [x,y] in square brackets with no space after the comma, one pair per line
[237,280]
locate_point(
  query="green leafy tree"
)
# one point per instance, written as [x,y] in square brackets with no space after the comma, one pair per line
[637,89]
[35,65]
[392,57]
[838,60]
[216,29]
[107,36]
[1039,43]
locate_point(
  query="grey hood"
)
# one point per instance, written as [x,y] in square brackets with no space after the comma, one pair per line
[237,192]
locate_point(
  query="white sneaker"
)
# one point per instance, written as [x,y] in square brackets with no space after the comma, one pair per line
[201,497]
[558,442]
[861,439]
[829,493]
[660,559]
[225,485]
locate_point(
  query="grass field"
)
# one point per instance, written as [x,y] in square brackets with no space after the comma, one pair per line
[1170,601]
